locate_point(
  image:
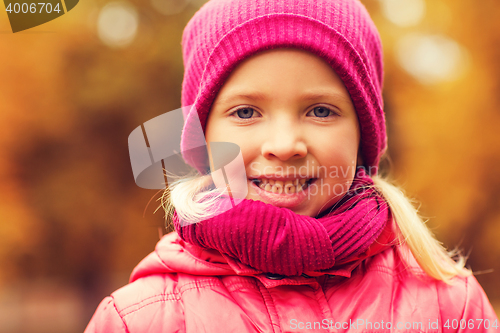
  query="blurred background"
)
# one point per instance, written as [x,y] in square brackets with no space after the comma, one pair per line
[73,224]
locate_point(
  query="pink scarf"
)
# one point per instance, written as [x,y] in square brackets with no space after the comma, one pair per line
[276,240]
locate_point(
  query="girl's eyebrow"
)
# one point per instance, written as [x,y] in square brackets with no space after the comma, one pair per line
[327,94]
[259,96]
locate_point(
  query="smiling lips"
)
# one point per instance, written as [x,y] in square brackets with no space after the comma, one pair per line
[282,193]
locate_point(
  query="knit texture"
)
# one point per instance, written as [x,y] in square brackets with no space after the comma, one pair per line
[225,32]
[276,240]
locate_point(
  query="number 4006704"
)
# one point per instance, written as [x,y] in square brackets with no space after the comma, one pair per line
[32,8]
[471,324]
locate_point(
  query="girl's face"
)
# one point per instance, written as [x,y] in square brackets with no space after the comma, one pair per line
[295,123]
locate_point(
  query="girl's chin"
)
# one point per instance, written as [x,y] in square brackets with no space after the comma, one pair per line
[299,210]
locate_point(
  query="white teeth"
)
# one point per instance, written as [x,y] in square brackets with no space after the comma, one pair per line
[289,189]
[280,186]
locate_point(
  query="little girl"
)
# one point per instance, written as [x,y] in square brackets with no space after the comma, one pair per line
[320,242]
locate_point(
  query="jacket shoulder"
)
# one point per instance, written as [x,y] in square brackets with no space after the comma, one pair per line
[465,301]
[152,301]
[155,298]
[462,299]
[106,319]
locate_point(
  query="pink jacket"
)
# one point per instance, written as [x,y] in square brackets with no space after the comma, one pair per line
[182,288]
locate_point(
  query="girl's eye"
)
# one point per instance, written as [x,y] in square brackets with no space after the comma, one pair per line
[245,113]
[321,112]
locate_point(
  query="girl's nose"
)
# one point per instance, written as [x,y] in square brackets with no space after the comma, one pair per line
[284,143]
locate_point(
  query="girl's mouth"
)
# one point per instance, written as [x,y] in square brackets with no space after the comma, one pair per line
[282,193]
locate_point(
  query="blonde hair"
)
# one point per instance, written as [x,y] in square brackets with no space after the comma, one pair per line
[187,198]
[430,254]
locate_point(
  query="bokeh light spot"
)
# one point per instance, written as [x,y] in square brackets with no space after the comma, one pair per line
[117,24]
[431,58]
[403,13]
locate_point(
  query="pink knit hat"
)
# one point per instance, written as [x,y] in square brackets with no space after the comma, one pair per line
[224,32]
